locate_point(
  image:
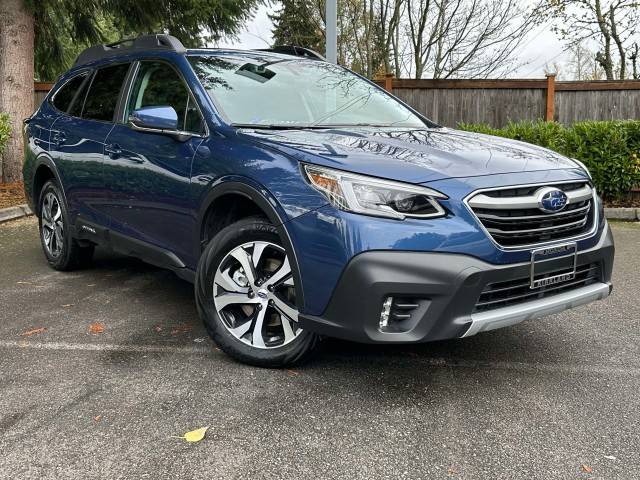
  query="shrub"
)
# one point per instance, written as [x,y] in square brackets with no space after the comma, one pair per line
[610,150]
[5,131]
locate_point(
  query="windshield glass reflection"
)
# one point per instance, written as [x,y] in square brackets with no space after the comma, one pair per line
[272,91]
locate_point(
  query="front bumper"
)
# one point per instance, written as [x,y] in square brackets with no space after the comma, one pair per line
[443,290]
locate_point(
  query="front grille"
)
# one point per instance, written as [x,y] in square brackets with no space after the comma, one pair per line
[513,218]
[513,292]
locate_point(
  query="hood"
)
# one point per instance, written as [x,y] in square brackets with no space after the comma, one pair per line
[411,155]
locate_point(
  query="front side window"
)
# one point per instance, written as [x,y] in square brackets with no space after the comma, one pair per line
[104,92]
[158,84]
[64,96]
[263,90]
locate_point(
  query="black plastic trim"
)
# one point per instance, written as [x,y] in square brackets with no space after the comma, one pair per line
[446,285]
[157,42]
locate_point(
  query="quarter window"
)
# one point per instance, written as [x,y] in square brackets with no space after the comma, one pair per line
[157,84]
[64,96]
[104,92]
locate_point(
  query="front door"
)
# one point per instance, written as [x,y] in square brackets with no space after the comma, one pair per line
[153,169]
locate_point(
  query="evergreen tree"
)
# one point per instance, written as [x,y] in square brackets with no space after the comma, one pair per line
[298,22]
[53,32]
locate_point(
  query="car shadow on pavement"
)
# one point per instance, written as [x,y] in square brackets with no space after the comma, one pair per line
[162,306]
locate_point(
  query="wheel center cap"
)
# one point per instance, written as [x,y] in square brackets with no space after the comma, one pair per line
[262,294]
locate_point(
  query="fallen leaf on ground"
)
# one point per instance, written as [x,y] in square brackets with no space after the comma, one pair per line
[182,328]
[97,418]
[96,328]
[293,373]
[195,435]
[451,471]
[35,331]
[157,328]
[587,469]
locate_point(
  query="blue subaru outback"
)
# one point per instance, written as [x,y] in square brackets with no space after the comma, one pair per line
[305,201]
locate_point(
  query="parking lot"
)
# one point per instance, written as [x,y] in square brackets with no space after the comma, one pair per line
[101,370]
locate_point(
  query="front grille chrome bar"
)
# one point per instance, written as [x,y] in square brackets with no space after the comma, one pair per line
[546,216]
[512,218]
[567,226]
[525,202]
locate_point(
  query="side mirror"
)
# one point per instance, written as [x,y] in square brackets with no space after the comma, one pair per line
[156,119]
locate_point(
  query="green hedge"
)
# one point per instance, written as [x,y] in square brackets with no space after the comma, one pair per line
[5,131]
[610,150]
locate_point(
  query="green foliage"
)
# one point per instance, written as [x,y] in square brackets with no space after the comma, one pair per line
[610,150]
[63,28]
[5,131]
[297,23]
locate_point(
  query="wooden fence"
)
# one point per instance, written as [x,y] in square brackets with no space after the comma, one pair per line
[40,90]
[495,102]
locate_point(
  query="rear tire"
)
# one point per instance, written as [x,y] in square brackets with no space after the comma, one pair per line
[61,250]
[246,296]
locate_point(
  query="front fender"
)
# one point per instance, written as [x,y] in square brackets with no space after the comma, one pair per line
[238,185]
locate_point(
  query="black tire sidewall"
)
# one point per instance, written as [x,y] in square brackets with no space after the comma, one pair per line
[244,231]
[63,260]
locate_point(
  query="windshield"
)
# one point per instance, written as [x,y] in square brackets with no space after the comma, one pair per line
[272,91]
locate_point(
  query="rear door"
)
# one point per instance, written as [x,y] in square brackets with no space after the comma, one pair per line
[77,142]
[155,168]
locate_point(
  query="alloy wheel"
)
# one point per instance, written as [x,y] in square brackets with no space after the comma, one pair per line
[52,225]
[254,295]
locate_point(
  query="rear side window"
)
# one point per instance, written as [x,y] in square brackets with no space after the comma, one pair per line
[64,96]
[104,92]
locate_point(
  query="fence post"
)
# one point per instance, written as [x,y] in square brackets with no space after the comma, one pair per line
[551,96]
[388,82]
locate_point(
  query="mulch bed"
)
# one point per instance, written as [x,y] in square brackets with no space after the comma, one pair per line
[633,203]
[11,194]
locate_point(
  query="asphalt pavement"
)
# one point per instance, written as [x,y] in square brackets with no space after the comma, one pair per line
[101,370]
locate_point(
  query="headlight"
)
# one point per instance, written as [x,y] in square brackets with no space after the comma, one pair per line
[583,167]
[372,196]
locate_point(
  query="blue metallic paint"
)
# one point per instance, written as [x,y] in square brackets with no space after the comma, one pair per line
[157,189]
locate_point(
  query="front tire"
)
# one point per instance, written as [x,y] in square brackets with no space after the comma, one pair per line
[245,295]
[61,250]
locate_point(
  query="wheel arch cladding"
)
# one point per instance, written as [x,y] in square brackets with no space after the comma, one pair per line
[228,202]
[44,171]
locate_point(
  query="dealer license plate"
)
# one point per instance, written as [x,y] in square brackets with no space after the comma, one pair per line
[553,265]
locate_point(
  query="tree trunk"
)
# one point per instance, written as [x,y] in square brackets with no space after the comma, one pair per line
[16,80]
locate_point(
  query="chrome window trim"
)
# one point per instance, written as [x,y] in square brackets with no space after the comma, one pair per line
[52,98]
[519,248]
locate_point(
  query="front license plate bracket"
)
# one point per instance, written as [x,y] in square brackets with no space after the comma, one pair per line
[540,258]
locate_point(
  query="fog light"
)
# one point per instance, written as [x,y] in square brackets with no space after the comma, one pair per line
[385,313]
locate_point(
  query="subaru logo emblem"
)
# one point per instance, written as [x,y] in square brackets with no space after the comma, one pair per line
[551,200]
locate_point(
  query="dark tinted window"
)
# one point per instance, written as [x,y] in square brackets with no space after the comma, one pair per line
[157,84]
[75,110]
[103,94]
[63,97]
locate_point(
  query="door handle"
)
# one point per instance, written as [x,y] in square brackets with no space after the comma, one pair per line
[59,138]
[113,150]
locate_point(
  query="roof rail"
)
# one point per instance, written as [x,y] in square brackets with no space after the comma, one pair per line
[158,41]
[294,50]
